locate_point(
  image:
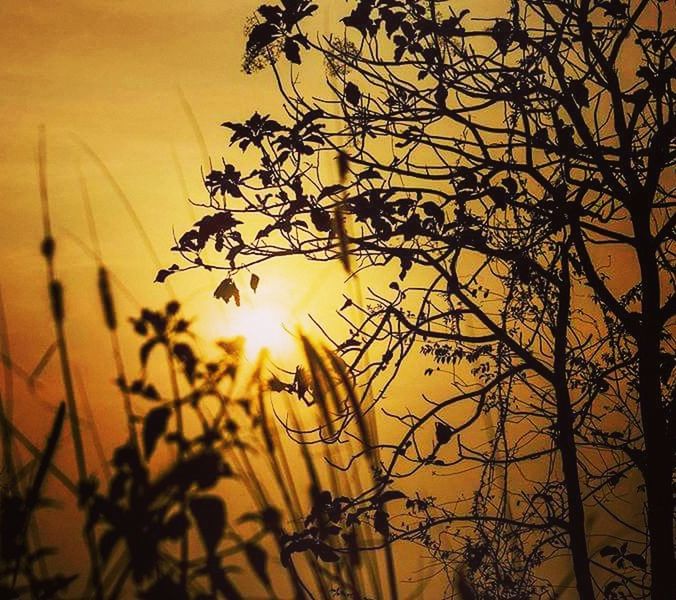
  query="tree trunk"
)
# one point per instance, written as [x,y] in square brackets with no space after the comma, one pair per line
[567,448]
[658,452]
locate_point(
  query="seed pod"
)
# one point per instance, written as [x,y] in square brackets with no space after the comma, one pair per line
[56,297]
[343,165]
[47,247]
[107,299]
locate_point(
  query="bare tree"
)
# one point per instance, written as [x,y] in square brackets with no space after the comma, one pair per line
[515,167]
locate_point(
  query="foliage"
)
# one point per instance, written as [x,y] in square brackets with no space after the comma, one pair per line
[200,436]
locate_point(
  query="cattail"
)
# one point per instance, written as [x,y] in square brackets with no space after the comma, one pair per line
[106,296]
[56,297]
[320,380]
[340,232]
[47,247]
[343,165]
[58,313]
[339,228]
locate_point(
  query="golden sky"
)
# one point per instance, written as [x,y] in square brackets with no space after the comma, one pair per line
[111,75]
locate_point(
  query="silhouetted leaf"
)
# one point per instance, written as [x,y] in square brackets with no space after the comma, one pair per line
[253,282]
[172,307]
[154,426]
[381,523]
[330,190]
[370,173]
[637,560]
[175,526]
[510,185]
[205,469]
[262,35]
[352,94]
[186,356]
[580,92]
[227,290]
[443,433]
[258,559]
[360,19]
[162,274]
[326,553]
[499,196]
[292,50]
[502,34]
[146,349]
[391,495]
[434,211]
[209,514]
[321,219]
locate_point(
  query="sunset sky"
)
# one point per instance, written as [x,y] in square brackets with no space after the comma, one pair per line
[112,76]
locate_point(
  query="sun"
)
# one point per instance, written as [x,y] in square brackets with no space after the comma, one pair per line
[263,325]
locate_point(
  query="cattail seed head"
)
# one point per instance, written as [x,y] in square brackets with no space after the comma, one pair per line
[56,297]
[47,247]
[107,299]
[343,165]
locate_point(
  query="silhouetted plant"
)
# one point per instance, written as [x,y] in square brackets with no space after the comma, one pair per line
[199,437]
[490,160]
[160,526]
[20,575]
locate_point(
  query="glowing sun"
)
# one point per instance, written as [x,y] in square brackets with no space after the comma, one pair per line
[261,324]
[262,327]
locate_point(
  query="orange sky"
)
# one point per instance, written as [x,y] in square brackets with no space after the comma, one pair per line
[110,74]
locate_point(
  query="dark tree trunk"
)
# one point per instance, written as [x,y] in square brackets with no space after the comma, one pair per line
[567,448]
[658,466]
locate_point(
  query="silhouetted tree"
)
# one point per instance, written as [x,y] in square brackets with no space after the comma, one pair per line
[512,164]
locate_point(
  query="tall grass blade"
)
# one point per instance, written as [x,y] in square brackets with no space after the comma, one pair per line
[126,203]
[109,315]
[340,368]
[46,458]
[96,434]
[197,131]
[57,473]
[58,317]
[7,403]
[41,364]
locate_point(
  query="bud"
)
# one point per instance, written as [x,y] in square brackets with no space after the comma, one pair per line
[56,297]
[47,247]
[107,299]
